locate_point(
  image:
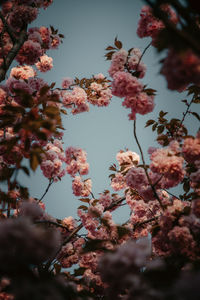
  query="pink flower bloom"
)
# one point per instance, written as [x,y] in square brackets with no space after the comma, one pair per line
[124,84]
[69,222]
[100,94]
[140,103]
[165,162]
[22,72]
[105,199]
[77,96]
[191,149]
[80,108]
[181,69]
[182,241]
[29,53]
[118,182]
[67,82]
[36,83]
[136,178]
[45,63]
[22,14]
[127,157]
[150,26]
[55,42]
[3,95]
[46,37]
[118,61]
[47,168]
[99,76]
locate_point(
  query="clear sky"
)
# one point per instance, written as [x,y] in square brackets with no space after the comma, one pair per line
[89,27]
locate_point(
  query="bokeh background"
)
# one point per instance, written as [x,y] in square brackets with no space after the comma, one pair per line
[89,27]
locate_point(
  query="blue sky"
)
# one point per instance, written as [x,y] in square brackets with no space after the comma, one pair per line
[89,27]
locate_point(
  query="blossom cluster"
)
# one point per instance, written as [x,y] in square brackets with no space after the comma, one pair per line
[125,70]
[78,94]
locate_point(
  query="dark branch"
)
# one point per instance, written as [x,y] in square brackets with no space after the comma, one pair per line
[8,29]
[13,52]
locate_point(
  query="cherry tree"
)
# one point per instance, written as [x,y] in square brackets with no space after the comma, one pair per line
[89,256]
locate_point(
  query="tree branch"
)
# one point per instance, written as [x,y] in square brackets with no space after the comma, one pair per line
[8,29]
[145,168]
[13,52]
[182,34]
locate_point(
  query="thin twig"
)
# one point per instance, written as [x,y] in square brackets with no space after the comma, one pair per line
[171,194]
[145,167]
[51,223]
[47,189]
[147,47]
[76,230]
[187,110]
[145,222]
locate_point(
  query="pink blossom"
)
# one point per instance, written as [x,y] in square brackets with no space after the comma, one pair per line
[127,157]
[36,83]
[118,182]
[67,81]
[136,178]
[46,37]
[99,76]
[181,69]
[191,149]
[140,103]
[75,153]
[22,14]
[196,207]
[105,199]
[52,161]
[69,222]
[118,61]
[165,162]
[100,95]
[6,7]
[124,84]
[77,96]
[134,62]
[150,26]
[55,42]
[80,108]
[181,241]
[22,72]
[2,96]
[47,168]
[77,186]
[29,53]
[95,210]
[45,63]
